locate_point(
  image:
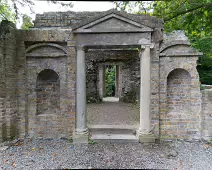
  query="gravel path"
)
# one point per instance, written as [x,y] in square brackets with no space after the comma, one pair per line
[58,154]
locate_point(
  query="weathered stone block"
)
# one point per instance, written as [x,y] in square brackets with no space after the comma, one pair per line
[147,138]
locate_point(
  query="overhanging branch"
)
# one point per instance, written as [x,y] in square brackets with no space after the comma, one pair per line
[189,10]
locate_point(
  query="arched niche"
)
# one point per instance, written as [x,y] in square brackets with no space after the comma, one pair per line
[48,92]
[178,91]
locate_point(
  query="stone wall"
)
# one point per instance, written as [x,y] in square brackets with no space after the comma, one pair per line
[51,119]
[155,88]
[8,85]
[180,97]
[24,101]
[70,19]
[37,80]
[61,19]
[206,112]
[52,115]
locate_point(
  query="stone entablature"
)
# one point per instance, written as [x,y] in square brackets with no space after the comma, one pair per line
[50,61]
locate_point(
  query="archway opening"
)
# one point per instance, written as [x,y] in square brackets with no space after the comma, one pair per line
[112,75]
[48,92]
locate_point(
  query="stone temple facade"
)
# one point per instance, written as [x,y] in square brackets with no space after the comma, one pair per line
[48,71]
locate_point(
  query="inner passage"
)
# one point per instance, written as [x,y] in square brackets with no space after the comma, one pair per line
[110,80]
[113,83]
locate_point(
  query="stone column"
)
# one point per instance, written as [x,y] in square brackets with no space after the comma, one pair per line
[81,131]
[144,133]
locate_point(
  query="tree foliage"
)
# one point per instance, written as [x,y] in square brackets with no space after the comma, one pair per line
[6,11]
[195,16]
[192,16]
[27,22]
[10,9]
[205,62]
[110,80]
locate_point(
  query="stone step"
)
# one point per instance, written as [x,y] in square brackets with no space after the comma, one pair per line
[113,133]
[136,126]
[121,138]
[113,129]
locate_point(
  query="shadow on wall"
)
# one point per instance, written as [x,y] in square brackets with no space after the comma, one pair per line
[48,92]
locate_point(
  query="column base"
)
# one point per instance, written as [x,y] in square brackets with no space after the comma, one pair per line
[80,137]
[146,138]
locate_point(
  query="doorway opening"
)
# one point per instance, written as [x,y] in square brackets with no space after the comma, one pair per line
[110,80]
[111,74]
[112,117]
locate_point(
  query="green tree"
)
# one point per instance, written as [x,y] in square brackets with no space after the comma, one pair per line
[195,17]
[6,11]
[110,80]
[205,62]
[9,9]
[27,22]
[192,16]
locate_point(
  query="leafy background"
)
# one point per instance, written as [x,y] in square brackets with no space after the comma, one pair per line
[110,73]
[192,16]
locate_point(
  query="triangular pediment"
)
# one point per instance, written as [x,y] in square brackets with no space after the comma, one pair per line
[113,23]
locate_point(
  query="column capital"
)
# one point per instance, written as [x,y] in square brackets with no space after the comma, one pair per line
[145,42]
[144,46]
[81,47]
